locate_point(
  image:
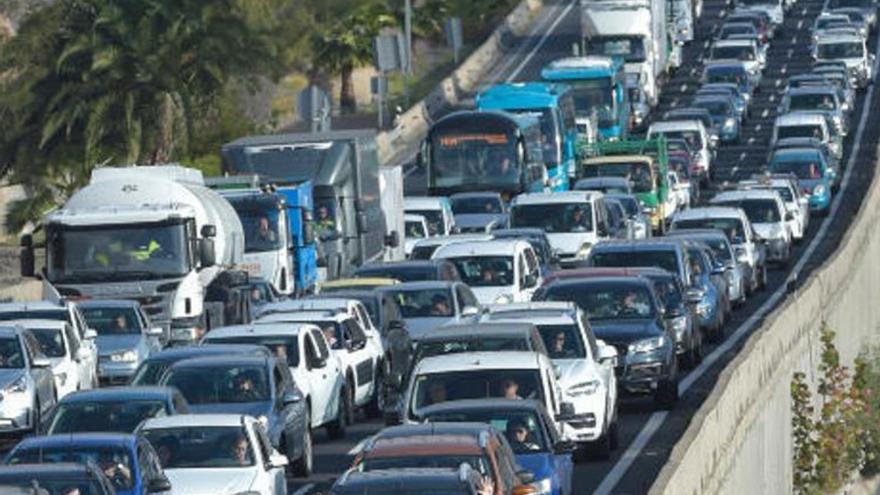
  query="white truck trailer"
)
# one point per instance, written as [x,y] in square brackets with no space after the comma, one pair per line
[153,234]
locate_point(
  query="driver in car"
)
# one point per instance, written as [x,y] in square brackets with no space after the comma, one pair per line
[519,436]
[115,470]
[632,304]
[439,305]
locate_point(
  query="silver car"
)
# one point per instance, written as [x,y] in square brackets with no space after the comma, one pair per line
[26,382]
[431,304]
[125,338]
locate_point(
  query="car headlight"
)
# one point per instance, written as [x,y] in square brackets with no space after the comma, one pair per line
[128,356]
[729,124]
[704,309]
[543,487]
[17,386]
[678,326]
[503,299]
[819,190]
[584,251]
[264,420]
[583,388]
[647,345]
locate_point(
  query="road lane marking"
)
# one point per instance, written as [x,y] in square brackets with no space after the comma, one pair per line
[656,419]
[513,57]
[541,42]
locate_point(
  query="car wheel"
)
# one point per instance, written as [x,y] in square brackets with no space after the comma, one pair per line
[763,277]
[377,403]
[302,467]
[666,395]
[37,417]
[696,356]
[336,429]
[614,435]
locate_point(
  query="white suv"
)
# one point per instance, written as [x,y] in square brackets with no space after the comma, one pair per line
[573,220]
[317,373]
[586,365]
[498,271]
[768,216]
[793,197]
[359,352]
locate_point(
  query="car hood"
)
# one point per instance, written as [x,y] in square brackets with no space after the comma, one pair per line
[418,327]
[111,344]
[765,230]
[624,331]
[7,376]
[570,243]
[208,481]
[490,295]
[255,409]
[573,371]
[540,464]
[474,220]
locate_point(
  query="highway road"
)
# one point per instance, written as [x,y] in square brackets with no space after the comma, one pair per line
[647,437]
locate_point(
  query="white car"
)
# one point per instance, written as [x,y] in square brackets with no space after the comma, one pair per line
[26,381]
[746,51]
[317,373]
[72,362]
[355,308]
[216,454]
[424,249]
[359,351]
[850,49]
[574,221]
[63,311]
[680,190]
[586,367]
[415,228]
[793,197]
[696,134]
[478,375]
[436,210]
[429,304]
[768,216]
[498,271]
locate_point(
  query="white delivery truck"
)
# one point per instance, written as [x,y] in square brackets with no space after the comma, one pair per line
[154,234]
[637,31]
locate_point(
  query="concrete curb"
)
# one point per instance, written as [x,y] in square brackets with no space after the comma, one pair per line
[414,123]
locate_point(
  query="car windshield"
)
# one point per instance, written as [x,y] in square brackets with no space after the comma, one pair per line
[554,218]
[123,416]
[80,485]
[149,372]
[804,167]
[718,108]
[637,172]
[692,137]
[51,341]
[284,347]
[109,459]
[485,271]
[607,301]
[799,131]
[732,227]
[665,259]
[434,219]
[630,205]
[415,230]
[811,101]
[846,49]
[719,246]
[668,291]
[480,204]
[384,463]
[488,343]
[425,303]
[423,252]
[725,76]
[476,383]
[563,341]
[112,321]
[785,193]
[201,447]
[522,428]
[733,29]
[758,210]
[744,53]
[401,273]
[11,356]
[221,384]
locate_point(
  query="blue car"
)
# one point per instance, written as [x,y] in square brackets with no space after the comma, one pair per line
[529,429]
[730,72]
[112,409]
[128,461]
[711,303]
[55,478]
[811,168]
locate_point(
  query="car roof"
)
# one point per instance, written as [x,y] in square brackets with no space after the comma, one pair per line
[178,353]
[449,239]
[675,125]
[78,439]
[32,323]
[184,420]
[709,212]
[725,64]
[476,194]
[556,197]
[45,470]
[696,233]
[421,285]
[228,360]
[745,194]
[306,316]
[423,202]
[354,481]
[529,405]
[471,361]
[9,331]
[637,245]
[800,118]
[629,280]
[477,330]
[494,247]
[606,272]
[391,265]
[120,393]
[812,90]
[261,329]
[735,43]
[109,303]
[605,180]
[828,38]
[331,303]
[30,306]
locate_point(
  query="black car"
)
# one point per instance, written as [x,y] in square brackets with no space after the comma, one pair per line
[625,312]
[56,478]
[411,271]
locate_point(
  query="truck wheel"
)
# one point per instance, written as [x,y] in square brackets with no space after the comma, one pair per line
[336,429]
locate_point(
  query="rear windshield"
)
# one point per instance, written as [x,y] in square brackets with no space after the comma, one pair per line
[665,259]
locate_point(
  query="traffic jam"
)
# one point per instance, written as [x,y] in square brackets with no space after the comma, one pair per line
[583,240]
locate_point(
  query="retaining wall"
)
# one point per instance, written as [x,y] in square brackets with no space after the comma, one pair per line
[740,439]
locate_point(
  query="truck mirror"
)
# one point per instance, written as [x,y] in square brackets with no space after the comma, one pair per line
[206,252]
[362,226]
[392,239]
[27,261]
[209,231]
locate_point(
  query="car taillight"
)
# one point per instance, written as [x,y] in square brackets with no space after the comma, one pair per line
[806,190]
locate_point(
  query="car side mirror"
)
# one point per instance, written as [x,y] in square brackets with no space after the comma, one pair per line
[470,311]
[392,418]
[277,460]
[318,363]
[530,281]
[566,412]
[155,332]
[206,252]
[291,397]
[392,239]
[695,295]
[607,354]
[563,447]
[159,485]
[41,362]
[789,216]
[90,334]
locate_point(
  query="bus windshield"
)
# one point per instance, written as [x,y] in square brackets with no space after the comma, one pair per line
[594,94]
[462,158]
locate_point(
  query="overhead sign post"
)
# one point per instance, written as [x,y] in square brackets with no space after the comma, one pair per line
[452,30]
[389,55]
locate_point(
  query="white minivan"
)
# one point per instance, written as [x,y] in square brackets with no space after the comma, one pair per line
[573,220]
[499,271]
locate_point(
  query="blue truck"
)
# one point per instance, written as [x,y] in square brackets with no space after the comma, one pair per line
[599,88]
[553,106]
[279,236]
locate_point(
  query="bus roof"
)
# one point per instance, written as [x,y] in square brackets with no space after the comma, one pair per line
[521,96]
[581,68]
[455,119]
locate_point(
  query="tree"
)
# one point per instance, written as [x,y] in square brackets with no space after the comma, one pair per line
[346,43]
[101,81]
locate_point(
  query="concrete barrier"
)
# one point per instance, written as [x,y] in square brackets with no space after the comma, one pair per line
[740,439]
[29,290]
[413,124]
